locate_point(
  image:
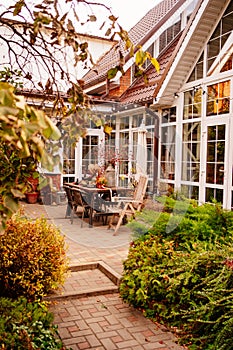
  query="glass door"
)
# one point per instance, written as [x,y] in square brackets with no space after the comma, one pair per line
[216,163]
[77,159]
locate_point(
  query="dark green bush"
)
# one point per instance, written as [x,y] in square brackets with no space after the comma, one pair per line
[27,326]
[187,224]
[184,277]
[32,258]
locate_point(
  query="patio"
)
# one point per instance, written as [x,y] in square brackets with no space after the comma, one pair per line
[96,320]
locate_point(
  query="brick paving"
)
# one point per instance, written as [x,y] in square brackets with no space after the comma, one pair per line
[87,314]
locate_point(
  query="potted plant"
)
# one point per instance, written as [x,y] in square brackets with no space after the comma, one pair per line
[32,193]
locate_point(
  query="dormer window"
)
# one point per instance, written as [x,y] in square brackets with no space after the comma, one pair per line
[169,34]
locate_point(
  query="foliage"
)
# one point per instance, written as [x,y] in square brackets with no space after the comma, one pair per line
[55,30]
[13,77]
[32,258]
[27,326]
[24,132]
[184,222]
[43,48]
[184,278]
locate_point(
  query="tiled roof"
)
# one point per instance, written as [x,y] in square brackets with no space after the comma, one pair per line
[141,92]
[138,35]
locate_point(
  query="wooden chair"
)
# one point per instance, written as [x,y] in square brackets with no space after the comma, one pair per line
[68,191]
[127,206]
[78,201]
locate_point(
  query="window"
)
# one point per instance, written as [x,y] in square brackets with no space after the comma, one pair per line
[189,191]
[220,35]
[215,154]
[169,34]
[191,152]
[137,120]
[123,153]
[150,151]
[111,155]
[192,104]
[169,115]
[197,72]
[168,136]
[124,123]
[69,160]
[90,150]
[228,65]
[218,99]
[111,121]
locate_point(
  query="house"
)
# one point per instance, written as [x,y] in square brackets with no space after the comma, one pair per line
[185,110]
[178,127]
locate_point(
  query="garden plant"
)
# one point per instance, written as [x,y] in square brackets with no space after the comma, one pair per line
[26,326]
[33,263]
[183,277]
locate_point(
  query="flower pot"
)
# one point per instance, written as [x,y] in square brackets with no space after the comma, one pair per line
[33,182]
[32,197]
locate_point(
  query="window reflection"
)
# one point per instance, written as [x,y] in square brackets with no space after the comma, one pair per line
[215,154]
[218,99]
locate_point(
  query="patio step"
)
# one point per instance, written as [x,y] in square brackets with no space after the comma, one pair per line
[90,279]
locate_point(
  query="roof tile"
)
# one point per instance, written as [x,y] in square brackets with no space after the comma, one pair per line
[136,34]
[141,92]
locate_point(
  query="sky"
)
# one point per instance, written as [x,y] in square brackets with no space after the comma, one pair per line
[130,11]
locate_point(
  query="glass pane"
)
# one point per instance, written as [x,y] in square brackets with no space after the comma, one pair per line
[221,132]
[214,194]
[137,120]
[220,174]
[211,152]
[191,192]
[94,140]
[197,110]
[186,112]
[224,89]
[187,97]
[220,151]
[216,32]
[212,132]
[124,123]
[213,47]
[199,70]
[210,173]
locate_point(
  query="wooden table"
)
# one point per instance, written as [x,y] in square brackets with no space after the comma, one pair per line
[95,195]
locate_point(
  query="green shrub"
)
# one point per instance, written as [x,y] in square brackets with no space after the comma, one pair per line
[27,326]
[32,258]
[208,223]
[184,278]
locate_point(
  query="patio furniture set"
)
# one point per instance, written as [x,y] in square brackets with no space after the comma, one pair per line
[113,205]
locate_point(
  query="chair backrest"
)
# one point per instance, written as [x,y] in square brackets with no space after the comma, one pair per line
[140,190]
[77,197]
[68,192]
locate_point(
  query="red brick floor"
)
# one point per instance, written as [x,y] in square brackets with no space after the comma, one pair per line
[98,322]
[105,322]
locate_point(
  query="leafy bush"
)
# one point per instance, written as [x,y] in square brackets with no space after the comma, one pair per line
[27,326]
[184,277]
[32,258]
[187,223]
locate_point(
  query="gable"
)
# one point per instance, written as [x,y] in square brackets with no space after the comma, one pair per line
[201,25]
[139,34]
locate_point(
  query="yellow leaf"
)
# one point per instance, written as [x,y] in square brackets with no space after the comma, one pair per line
[155,64]
[107,129]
